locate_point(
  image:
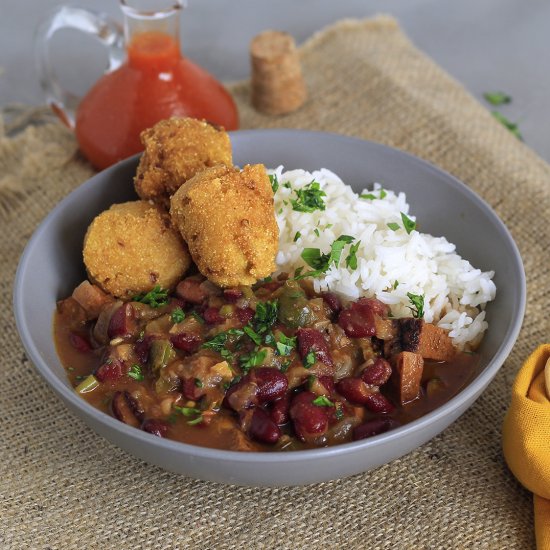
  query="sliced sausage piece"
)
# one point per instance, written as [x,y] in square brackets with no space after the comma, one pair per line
[91,298]
[427,340]
[407,374]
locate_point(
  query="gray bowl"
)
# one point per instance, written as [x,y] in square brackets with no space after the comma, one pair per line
[51,266]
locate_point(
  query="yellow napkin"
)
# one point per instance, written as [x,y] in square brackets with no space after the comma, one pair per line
[526,438]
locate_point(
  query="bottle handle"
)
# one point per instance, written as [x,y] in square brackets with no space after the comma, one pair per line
[99,25]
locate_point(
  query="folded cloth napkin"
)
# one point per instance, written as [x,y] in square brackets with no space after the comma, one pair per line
[526,437]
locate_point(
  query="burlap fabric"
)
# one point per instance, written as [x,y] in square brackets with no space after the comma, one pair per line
[63,487]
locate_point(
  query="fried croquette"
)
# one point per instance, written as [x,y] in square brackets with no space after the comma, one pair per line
[175,150]
[132,247]
[228,221]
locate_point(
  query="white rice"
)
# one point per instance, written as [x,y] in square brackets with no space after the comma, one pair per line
[390,263]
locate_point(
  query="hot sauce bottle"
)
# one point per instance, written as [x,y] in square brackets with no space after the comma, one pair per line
[154,82]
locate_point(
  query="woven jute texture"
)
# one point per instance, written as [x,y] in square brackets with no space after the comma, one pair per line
[63,487]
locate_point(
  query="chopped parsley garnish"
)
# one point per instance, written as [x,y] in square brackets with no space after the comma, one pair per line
[310,359]
[287,184]
[219,341]
[269,339]
[265,316]
[417,300]
[297,236]
[274,182]
[408,224]
[309,198]
[198,383]
[351,258]
[339,412]
[190,412]
[393,226]
[316,231]
[177,316]
[154,298]
[512,126]
[252,359]
[372,196]
[254,336]
[135,372]
[286,344]
[497,98]
[323,401]
[322,262]
[396,284]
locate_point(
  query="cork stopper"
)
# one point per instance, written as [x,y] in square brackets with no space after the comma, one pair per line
[277,83]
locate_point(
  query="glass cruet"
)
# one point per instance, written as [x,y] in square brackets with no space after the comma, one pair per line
[147,79]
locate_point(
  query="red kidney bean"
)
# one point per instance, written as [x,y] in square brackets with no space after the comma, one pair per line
[310,339]
[354,390]
[232,294]
[279,412]
[187,341]
[212,316]
[378,373]
[374,427]
[245,314]
[175,303]
[126,409]
[378,403]
[262,428]
[272,383]
[333,301]
[123,322]
[80,343]
[111,371]
[308,419]
[155,427]
[191,291]
[190,389]
[357,320]
[378,307]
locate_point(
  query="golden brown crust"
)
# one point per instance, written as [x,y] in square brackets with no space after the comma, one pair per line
[132,247]
[175,150]
[226,216]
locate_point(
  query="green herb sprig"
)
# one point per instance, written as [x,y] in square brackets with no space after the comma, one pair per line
[417,301]
[322,262]
[135,372]
[155,298]
[309,199]
[177,316]
[497,98]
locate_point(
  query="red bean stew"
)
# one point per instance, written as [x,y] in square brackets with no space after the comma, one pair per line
[272,367]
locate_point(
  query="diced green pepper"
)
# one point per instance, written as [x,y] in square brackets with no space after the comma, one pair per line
[294,309]
[89,384]
[162,352]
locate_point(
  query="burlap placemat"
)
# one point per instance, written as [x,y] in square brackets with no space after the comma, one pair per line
[61,486]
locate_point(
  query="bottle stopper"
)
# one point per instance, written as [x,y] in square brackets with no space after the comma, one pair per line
[277,85]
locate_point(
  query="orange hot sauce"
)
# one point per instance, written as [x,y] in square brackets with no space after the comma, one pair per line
[156,82]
